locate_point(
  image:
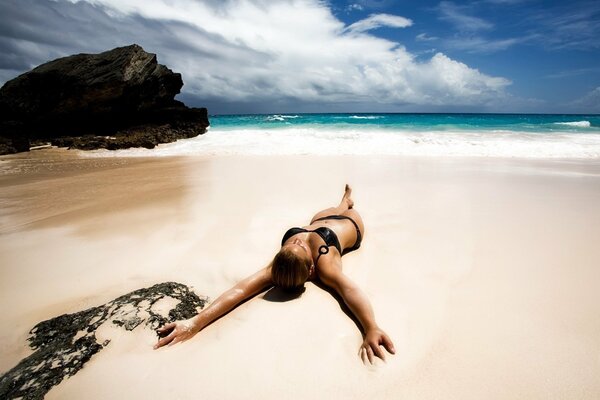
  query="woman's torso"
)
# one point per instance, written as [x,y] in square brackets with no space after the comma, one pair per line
[344,230]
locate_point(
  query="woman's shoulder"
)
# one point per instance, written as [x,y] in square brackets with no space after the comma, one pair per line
[329,269]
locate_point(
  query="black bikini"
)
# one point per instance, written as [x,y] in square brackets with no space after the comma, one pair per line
[328,236]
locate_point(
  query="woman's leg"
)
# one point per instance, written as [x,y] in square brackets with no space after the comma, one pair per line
[345,204]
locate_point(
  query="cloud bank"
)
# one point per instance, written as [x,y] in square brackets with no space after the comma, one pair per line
[240,53]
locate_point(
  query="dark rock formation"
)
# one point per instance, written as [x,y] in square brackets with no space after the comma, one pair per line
[65,343]
[116,99]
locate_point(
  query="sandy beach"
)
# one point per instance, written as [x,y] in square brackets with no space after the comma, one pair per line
[484,271]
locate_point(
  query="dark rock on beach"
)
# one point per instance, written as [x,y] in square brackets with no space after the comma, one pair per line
[64,344]
[117,99]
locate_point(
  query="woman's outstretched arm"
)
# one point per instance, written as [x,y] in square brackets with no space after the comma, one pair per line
[330,273]
[243,290]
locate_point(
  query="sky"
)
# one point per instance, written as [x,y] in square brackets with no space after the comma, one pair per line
[286,56]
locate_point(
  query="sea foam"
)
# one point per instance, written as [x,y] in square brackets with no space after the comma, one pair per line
[278,117]
[579,124]
[307,140]
[365,117]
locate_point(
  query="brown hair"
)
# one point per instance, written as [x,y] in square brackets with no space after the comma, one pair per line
[288,270]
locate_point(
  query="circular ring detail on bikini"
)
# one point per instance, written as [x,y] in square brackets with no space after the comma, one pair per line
[322,250]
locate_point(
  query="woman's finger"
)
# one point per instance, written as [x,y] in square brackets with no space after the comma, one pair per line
[168,326]
[175,341]
[387,343]
[165,340]
[370,354]
[363,355]
[378,352]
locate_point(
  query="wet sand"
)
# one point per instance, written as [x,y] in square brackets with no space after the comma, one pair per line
[485,272]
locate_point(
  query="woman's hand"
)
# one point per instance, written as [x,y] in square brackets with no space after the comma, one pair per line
[176,332]
[370,348]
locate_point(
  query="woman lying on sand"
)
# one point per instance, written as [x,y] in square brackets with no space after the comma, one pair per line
[310,253]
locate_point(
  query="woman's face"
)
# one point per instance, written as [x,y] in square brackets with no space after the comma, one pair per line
[301,249]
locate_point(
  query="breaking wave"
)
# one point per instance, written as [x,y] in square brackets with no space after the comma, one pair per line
[278,117]
[578,124]
[313,140]
[364,117]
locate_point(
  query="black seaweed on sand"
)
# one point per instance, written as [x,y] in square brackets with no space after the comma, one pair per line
[64,344]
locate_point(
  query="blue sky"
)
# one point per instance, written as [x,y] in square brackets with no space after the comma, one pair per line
[240,56]
[550,50]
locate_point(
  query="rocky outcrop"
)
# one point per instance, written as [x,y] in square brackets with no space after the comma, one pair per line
[117,99]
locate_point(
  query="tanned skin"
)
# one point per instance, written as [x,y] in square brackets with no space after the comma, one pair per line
[328,271]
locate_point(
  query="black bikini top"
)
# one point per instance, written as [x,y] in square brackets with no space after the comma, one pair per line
[328,236]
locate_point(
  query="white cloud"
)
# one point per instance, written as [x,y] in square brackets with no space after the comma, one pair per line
[481,45]
[422,37]
[375,4]
[568,27]
[457,16]
[355,6]
[573,72]
[375,21]
[294,51]
[445,80]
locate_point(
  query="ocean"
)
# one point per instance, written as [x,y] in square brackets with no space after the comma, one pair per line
[469,135]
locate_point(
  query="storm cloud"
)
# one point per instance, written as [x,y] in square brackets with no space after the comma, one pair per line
[248,56]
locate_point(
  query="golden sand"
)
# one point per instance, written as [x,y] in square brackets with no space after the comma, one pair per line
[485,273]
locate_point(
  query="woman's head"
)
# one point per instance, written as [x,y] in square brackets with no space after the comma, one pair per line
[291,267]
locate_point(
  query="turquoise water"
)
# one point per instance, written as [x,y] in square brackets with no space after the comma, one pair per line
[428,135]
[533,123]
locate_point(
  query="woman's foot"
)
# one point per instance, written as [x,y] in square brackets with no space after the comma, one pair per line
[347,199]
